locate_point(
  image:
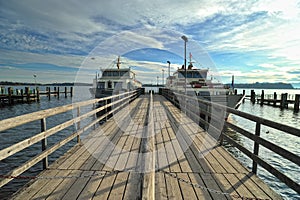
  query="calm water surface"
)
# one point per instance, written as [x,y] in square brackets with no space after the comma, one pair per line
[289,142]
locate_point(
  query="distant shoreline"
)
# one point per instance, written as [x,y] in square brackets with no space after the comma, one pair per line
[45,84]
[263,85]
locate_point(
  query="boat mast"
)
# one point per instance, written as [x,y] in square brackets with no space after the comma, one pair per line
[190,65]
[118,62]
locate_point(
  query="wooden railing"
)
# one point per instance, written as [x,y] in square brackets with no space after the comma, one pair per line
[204,116]
[115,103]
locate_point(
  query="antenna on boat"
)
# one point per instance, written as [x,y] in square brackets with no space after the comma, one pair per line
[190,65]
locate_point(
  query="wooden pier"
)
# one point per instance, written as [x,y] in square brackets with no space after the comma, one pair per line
[28,95]
[149,149]
[272,100]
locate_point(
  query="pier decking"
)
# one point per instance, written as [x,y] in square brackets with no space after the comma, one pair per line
[107,163]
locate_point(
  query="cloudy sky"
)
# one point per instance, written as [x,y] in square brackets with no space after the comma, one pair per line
[67,41]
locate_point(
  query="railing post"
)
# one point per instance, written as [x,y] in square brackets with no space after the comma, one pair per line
[256,147]
[94,116]
[106,109]
[78,125]
[44,143]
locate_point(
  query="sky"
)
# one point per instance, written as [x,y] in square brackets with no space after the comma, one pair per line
[70,40]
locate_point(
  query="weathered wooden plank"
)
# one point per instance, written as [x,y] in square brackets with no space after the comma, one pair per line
[78,186]
[133,186]
[33,187]
[91,187]
[186,189]
[201,193]
[211,183]
[105,187]
[239,186]
[173,188]
[64,186]
[251,186]
[50,186]
[160,186]
[117,191]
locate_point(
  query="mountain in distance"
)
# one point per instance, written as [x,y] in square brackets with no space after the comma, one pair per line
[264,85]
[296,85]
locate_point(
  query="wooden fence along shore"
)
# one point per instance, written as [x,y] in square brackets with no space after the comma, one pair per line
[10,96]
[274,100]
[215,176]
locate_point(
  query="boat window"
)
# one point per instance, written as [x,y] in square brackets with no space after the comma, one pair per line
[181,75]
[107,73]
[123,73]
[203,75]
[115,73]
[189,74]
[101,85]
[197,75]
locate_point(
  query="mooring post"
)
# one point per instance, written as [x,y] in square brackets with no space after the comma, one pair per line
[256,147]
[283,102]
[252,96]
[10,100]
[44,142]
[296,104]
[65,92]
[22,95]
[57,92]
[49,92]
[37,93]
[262,97]
[71,91]
[27,92]
[275,99]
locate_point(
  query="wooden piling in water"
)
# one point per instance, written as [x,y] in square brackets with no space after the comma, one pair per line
[296,104]
[252,96]
[66,92]
[37,94]
[283,102]
[275,98]
[262,97]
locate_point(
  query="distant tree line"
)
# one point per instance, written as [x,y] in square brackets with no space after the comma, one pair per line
[258,85]
[46,84]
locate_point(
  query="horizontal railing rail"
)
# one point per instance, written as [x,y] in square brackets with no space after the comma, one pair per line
[115,102]
[188,103]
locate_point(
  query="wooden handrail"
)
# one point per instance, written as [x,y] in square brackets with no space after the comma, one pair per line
[255,137]
[24,119]
[42,136]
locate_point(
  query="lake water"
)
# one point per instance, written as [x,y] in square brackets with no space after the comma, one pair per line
[289,142]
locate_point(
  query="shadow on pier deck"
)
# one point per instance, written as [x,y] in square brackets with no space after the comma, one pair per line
[107,164]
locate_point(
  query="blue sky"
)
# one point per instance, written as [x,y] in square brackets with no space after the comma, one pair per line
[67,41]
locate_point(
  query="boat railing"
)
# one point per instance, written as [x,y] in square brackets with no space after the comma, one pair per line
[114,102]
[204,116]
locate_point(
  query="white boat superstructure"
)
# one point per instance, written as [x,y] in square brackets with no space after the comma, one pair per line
[113,81]
[195,82]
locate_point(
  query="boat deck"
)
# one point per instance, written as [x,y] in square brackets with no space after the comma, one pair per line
[107,163]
